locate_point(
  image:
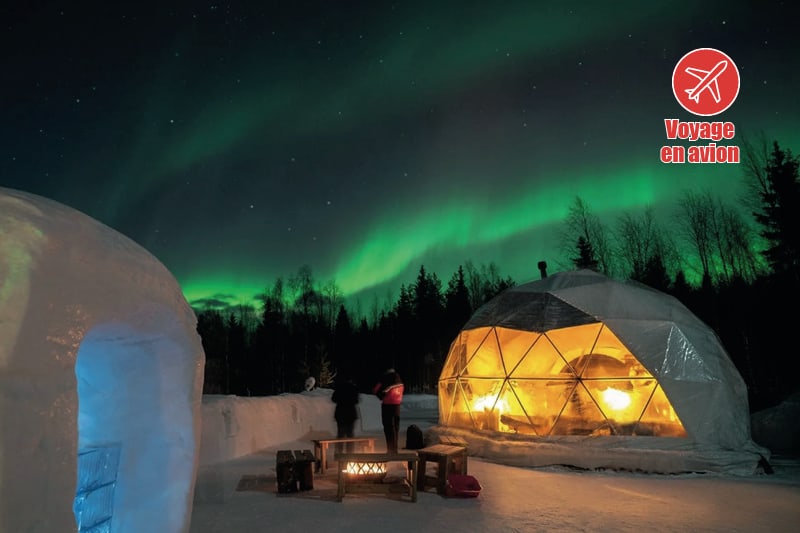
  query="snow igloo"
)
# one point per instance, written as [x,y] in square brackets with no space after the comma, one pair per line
[101,372]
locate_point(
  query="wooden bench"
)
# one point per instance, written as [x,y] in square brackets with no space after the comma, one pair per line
[449,460]
[366,444]
[351,483]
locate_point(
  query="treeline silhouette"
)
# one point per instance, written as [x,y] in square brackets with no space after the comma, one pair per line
[307,331]
[742,259]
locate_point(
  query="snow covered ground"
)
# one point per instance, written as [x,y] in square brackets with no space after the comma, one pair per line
[241,438]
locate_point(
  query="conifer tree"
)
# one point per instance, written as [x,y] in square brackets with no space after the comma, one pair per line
[586,257]
[779,215]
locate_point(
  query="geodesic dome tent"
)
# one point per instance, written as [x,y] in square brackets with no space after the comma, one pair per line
[579,355]
[101,372]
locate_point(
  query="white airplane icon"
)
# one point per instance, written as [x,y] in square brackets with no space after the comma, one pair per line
[708,80]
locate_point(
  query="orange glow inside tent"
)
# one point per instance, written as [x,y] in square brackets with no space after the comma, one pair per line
[578,380]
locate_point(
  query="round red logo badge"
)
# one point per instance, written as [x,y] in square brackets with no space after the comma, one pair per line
[705,82]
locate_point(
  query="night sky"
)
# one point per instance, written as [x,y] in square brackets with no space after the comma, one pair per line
[239,141]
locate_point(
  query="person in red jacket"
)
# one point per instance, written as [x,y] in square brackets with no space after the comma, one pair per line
[390,391]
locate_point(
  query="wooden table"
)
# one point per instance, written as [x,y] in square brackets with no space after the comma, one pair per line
[450,460]
[367,444]
[350,483]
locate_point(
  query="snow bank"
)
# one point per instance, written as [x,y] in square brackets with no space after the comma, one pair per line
[635,454]
[235,426]
[777,428]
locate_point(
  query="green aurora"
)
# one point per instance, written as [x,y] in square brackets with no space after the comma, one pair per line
[395,247]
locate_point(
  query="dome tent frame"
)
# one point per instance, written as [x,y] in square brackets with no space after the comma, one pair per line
[563,330]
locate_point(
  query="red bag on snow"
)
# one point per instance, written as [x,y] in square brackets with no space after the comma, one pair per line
[462,486]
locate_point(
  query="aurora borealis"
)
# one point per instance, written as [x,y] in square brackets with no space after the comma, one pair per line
[239,141]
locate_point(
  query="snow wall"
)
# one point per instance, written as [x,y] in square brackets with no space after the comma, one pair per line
[101,372]
[235,426]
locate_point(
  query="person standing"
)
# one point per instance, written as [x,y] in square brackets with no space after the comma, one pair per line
[345,396]
[390,391]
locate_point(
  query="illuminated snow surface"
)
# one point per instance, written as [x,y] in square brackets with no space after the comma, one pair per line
[512,499]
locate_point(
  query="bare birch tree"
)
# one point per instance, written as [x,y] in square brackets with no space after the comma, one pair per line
[719,236]
[695,222]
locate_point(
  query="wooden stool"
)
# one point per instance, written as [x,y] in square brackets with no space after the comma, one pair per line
[449,459]
[452,440]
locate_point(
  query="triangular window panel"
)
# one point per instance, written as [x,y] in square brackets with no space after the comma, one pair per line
[481,398]
[485,315]
[659,418]
[517,311]
[512,413]
[610,358]
[574,342]
[514,344]
[487,361]
[540,404]
[598,365]
[558,393]
[621,401]
[538,312]
[609,344]
[581,416]
[456,360]
[458,414]
[447,394]
[474,340]
[541,361]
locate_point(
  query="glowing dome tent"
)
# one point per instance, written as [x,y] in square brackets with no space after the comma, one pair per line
[101,371]
[579,355]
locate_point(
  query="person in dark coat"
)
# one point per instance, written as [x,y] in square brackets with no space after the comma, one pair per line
[390,391]
[345,396]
